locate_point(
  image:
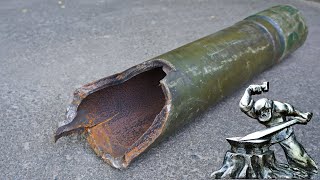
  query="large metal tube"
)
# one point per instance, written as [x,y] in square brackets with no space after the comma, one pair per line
[126,113]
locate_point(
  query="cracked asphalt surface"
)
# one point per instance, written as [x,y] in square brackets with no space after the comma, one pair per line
[49,48]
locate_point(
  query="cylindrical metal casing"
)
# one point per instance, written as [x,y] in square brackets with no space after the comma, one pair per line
[197,75]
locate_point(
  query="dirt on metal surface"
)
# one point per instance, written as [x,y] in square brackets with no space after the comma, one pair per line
[124,114]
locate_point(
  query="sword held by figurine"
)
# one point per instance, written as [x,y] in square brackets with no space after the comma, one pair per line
[272,130]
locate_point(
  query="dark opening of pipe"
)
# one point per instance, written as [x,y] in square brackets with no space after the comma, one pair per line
[118,115]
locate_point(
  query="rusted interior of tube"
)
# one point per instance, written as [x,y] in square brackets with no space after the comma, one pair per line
[123,112]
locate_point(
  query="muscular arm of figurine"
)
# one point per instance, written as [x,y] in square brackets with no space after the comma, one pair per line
[246,103]
[288,110]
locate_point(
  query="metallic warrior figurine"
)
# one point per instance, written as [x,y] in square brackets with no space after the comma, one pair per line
[272,113]
[250,157]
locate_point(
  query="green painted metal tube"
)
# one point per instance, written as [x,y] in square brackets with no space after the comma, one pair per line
[125,114]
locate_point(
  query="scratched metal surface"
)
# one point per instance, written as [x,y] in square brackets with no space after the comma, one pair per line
[49,48]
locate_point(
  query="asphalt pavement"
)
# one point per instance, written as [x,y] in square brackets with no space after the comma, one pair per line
[49,48]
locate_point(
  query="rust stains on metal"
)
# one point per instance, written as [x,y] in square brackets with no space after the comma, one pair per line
[114,118]
[124,114]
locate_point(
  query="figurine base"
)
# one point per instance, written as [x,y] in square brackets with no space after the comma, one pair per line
[254,160]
